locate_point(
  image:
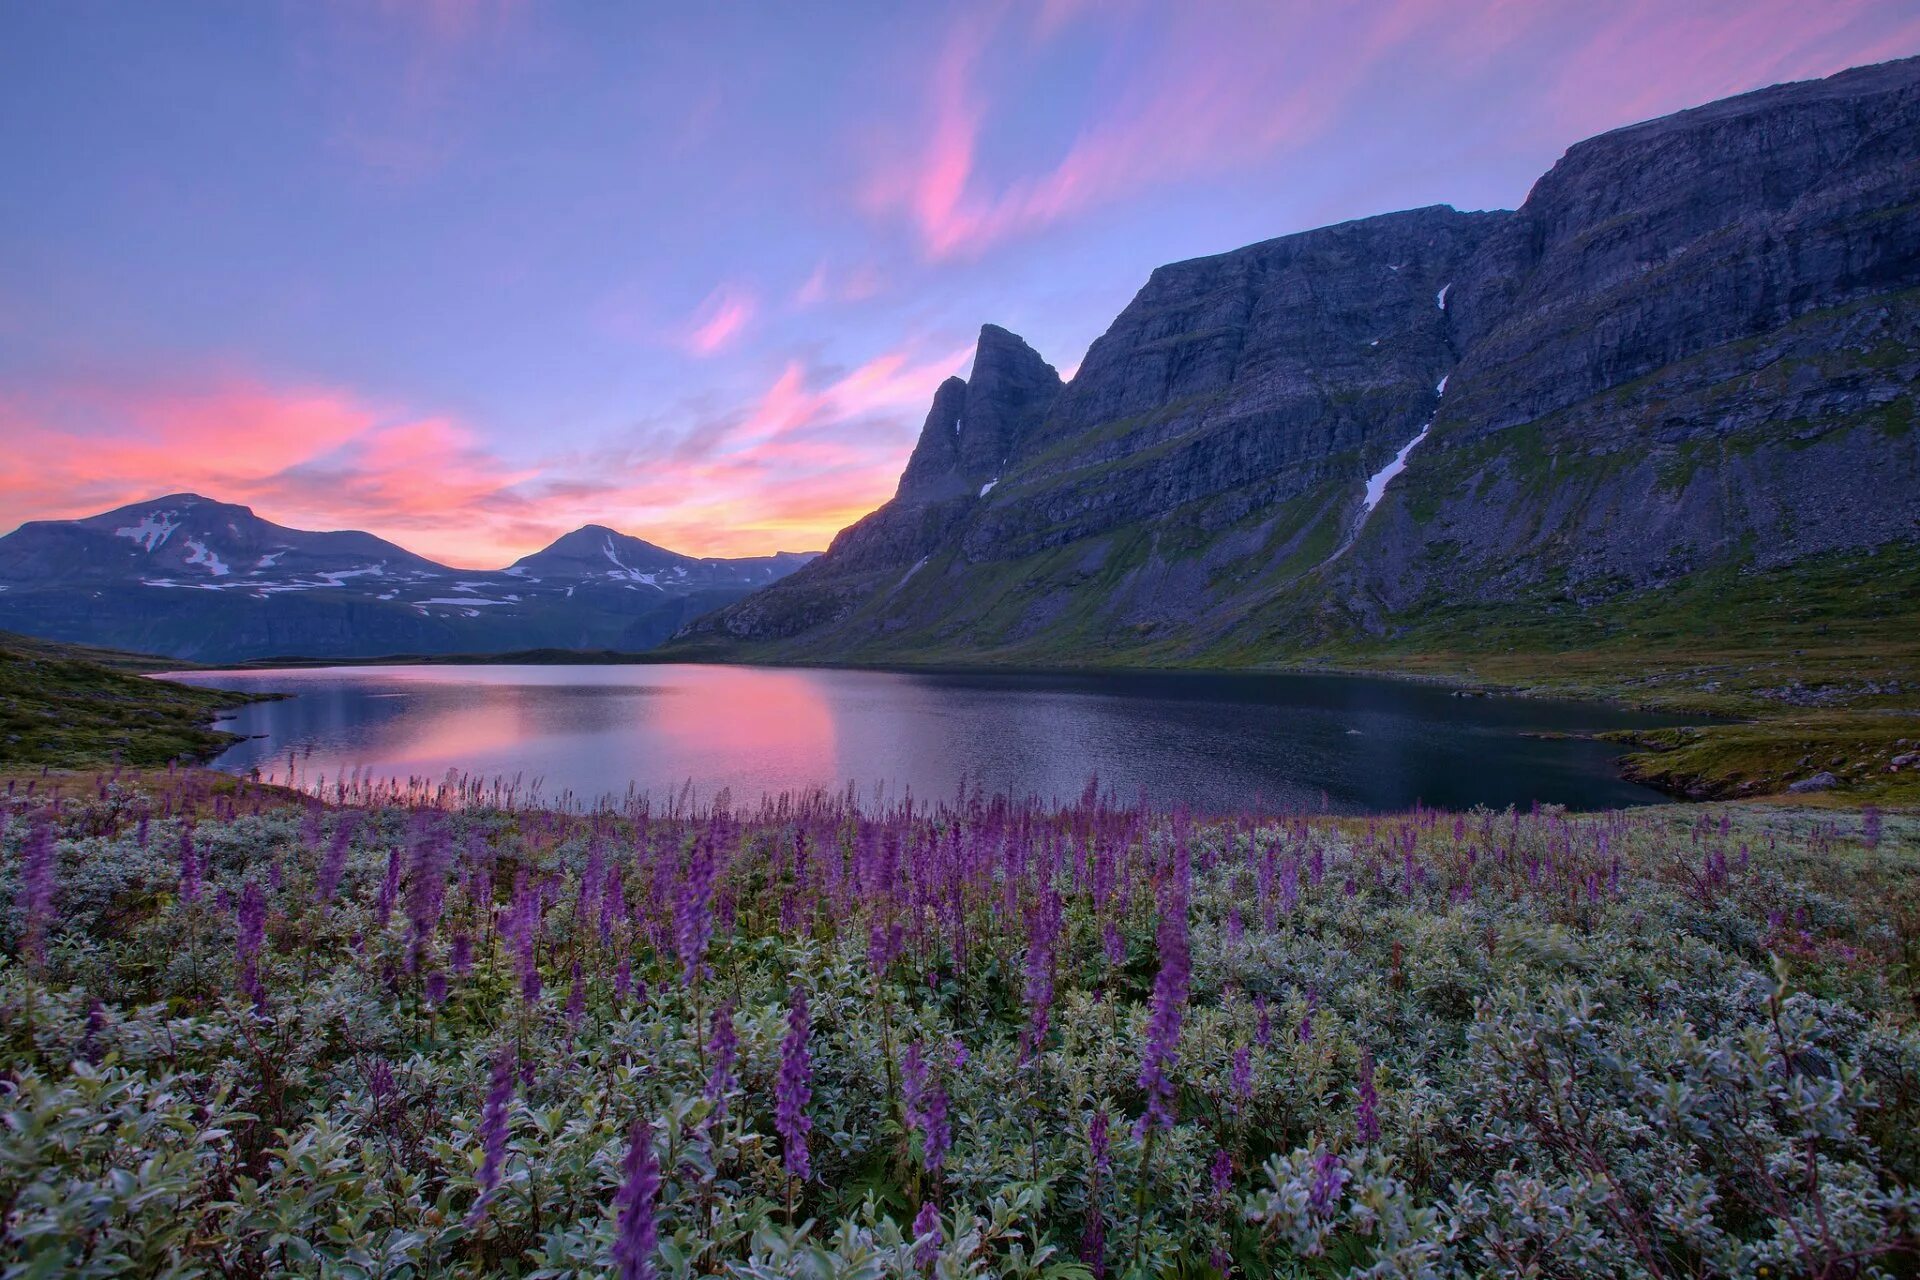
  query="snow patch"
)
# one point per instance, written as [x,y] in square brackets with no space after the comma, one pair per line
[271,559]
[199,553]
[1441,388]
[1378,482]
[154,529]
[462,602]
[335,577]
[1440,298]
[987,488]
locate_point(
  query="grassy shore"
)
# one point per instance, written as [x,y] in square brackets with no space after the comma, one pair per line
[73,706]
[1795,672]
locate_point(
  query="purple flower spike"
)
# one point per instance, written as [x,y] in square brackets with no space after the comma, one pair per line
[693,911]
[1220,1173]
[793,1090]
[926,1224]
[493,1131]
[250,932]
[36,890]
[1366,1115]
[1329,1179]
[1169,1008]
[639,1234]
[189,867]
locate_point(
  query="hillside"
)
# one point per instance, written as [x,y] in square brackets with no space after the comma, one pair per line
[68,705]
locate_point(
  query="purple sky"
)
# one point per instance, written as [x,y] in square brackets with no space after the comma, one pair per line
[469,275]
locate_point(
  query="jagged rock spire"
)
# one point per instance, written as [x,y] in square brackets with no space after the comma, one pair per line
[977,423]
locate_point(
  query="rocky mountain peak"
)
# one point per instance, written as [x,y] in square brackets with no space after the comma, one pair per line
[977,423]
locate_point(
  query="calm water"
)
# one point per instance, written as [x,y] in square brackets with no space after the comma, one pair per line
[1215,742]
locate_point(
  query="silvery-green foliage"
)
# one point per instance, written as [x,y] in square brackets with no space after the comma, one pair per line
[1585,1057]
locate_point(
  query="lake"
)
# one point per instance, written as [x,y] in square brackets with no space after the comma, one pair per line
[1213,742]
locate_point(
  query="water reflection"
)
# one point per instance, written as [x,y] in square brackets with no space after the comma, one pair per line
[1212,742]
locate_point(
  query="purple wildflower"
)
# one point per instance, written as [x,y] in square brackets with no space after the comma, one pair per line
[1241,1079]
[926,1228]
[1169,1008]
[523,926]
[1220,1173]
[1093,1244]
[693,911]
[1870,826]
[1329,1178]
[335,864]
[577,998]
[436,988]
[460,956]
[426,888]
[1043,923]
[926,1107]
[793,1090]
[389,890]
[1099,1142]
[639,1235]
[189,867]
[36,890]
[250,932]
[493,1131]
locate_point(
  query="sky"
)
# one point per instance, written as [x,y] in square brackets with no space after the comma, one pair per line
[471,273]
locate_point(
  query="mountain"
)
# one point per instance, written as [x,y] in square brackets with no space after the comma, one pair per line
[1688,360]
[209,581]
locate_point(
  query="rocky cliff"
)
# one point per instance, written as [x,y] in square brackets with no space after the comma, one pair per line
[1694,346]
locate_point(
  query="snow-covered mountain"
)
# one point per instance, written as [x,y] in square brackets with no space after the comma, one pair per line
[194,578]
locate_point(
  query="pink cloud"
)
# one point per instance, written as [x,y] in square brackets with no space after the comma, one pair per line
[1225,87]
[785,467]
[309,457]
[1200,104]
[824,285]
[719,320]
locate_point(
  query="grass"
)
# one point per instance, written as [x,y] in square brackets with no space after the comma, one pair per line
[70,706]
[1763,757]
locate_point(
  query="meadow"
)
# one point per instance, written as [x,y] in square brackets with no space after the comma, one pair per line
[250,1032]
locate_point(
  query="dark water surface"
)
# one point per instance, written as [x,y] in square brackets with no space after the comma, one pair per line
[1214,742]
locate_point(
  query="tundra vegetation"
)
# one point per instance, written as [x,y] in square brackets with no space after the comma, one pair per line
[444,1031]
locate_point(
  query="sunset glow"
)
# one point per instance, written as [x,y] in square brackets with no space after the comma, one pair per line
[713,318]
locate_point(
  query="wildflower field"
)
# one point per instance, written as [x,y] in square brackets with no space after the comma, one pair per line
[248,1033]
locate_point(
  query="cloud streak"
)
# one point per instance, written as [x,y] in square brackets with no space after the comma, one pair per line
[1202,89]
[721,319]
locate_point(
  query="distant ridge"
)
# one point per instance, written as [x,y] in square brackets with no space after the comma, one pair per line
[190,577]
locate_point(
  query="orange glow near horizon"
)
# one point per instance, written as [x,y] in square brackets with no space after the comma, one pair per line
[784,471]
